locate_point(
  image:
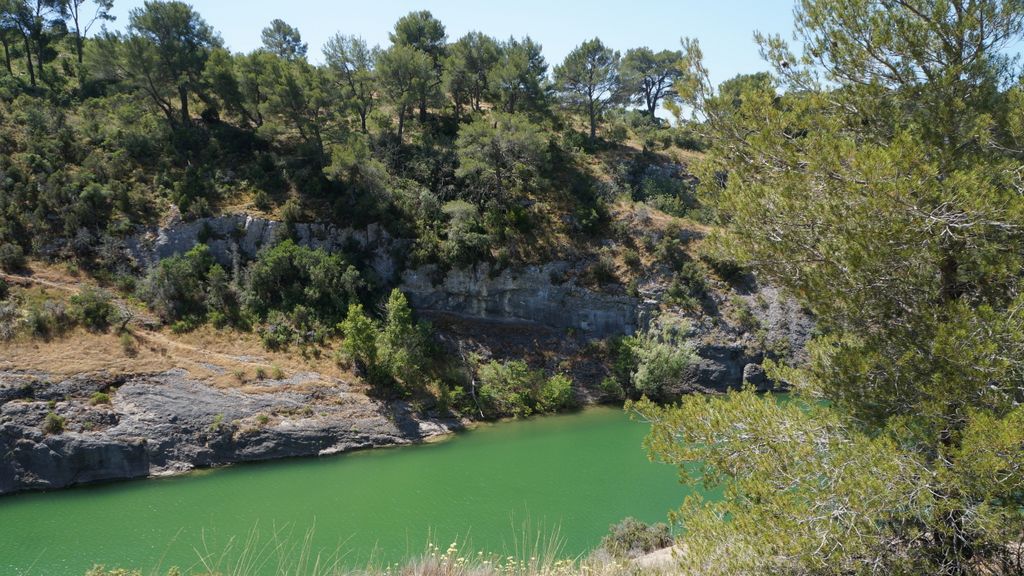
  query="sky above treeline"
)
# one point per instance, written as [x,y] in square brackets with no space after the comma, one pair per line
[725,28]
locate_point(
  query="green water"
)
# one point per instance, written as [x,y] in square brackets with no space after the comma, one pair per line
[577,473]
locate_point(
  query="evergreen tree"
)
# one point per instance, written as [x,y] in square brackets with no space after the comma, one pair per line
[882,187]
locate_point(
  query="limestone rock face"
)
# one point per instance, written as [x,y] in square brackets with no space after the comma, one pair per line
[164,423]
[243,236]
[530,294]
[547,295]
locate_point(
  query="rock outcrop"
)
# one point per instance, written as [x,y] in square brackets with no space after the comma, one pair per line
[547,295]
[167,423]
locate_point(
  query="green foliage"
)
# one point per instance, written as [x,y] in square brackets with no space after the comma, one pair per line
[283,40]
[360,333]
[513,389]
[93,308]
[632,538]
[517,81]
[175,288]
[873,178]
[663,358]
[648,77]
[12,257]
[589,80]
[99,398]
[286,276]
[53,424]
[394,354]
[500,156]
[465,241]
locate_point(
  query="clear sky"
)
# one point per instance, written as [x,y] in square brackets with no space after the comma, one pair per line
[724,27]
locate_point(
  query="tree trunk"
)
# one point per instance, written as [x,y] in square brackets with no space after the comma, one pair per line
[362,120]
[401,122]
[39,59]
[7,55]
[423,108]
[28,59]
[183,95]
[79,45]
[593,122]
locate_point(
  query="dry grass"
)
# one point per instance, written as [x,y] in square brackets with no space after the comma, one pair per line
[206,354]
[284,553]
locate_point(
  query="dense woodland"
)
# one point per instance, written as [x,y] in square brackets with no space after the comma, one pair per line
[876,175]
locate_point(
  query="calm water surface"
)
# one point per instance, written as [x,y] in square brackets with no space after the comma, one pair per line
[576,473]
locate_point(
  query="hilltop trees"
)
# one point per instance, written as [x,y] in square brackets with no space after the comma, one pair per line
[589,80]
[284,40]
[518,79]
[422,32]
[648,77]
[82,22]
[882,186]
[406,76]
[467,68]
[164,54]
[353,66]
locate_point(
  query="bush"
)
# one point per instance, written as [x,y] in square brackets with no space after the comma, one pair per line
[175,288]
[394,353]
[632,538]
[47,319]
[663,358]
[8,320]
[12,257]
[513,389]
[53,423]
[287,275]
[4,290]
[612,390]
[93,309]
[99,398]
[556,394]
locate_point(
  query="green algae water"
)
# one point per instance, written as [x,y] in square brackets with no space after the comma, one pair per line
[576,474]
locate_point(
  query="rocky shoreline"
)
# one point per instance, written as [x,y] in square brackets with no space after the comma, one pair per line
[160,424]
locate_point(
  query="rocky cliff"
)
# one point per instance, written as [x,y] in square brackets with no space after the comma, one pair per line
[548,295]
[166,423]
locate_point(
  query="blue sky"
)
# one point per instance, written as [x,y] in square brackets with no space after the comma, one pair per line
[724,27]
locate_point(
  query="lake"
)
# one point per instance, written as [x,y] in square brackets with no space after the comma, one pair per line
[575,474]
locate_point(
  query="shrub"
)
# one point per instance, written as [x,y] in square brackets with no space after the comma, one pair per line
[632,538]
[53,423]
[8,320]
[508,388]
[93,309]
[99,398]
[4,290]
[287,275]
[555,394]
[513,389]
[612,389]
[360,338]
[465,242]
[500,155]
[663,358]
[276,372]
[602,270]
[12,257]
[47,319]
[175,288]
